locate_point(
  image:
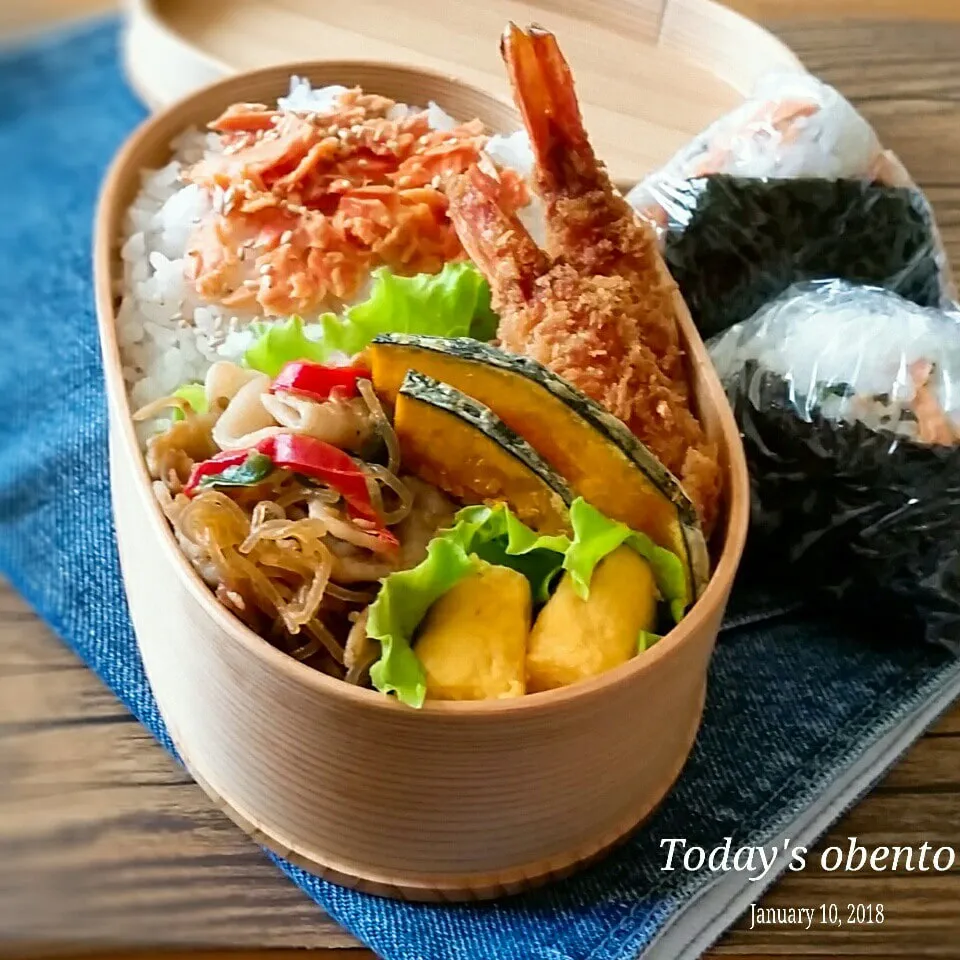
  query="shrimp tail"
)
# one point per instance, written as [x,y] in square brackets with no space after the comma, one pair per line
[544,92]
[589,224]
[497,242]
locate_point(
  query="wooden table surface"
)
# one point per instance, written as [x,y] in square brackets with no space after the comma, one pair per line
[103,839]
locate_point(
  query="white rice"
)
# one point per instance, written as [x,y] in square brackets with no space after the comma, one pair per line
[835,142]
[302,98]
[168,335]
[846,351]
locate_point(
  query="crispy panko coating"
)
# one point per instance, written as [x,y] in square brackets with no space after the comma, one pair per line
[601,309]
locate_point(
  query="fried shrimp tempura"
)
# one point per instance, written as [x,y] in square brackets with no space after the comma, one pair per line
[601,309]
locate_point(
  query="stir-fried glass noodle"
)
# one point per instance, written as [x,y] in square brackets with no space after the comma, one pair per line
[387,433]
[288,555]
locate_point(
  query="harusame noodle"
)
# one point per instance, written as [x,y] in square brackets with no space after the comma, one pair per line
[285,554]
[377,475]
[382,424]
[360,651]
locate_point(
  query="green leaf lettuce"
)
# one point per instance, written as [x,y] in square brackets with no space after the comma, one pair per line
[646,639]
[278,344]
[403,601]
[195,394]
[452,303]
[494,535]
[480,533]
[595,536]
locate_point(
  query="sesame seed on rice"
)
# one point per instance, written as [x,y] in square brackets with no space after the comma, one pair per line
[163,348]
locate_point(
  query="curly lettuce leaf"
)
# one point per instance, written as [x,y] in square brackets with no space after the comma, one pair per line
[485,321]
[595,536]
[403,601]
[495,535]
[481,533]
[277,344]
[474,526]
[195,394]
[452,303]
[646,639]
[492,534]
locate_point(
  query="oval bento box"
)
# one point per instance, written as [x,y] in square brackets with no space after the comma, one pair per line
[650,73]
[454,801]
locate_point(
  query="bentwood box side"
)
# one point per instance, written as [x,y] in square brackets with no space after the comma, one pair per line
[650,73]
[457,800]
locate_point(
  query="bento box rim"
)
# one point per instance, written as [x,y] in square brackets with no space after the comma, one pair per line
[105,253]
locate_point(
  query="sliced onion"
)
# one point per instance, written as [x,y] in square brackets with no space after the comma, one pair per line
[152,410]
[360,651]
[351,596]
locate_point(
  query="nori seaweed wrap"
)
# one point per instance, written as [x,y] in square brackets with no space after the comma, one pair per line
[732,243]
[848,400]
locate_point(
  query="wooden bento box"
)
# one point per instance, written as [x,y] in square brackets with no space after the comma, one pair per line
[453,801]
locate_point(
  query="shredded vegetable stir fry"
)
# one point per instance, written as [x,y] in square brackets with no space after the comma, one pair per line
[292,531]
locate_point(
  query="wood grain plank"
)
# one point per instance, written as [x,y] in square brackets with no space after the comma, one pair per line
[33,951]
[39,12]
[102,834]
[949,726]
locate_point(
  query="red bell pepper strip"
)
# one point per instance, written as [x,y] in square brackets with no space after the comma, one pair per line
[316,381]
[311,457]
[326,463]
[213,466]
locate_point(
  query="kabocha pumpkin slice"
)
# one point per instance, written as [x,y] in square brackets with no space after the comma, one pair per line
[459,445]
[594,452]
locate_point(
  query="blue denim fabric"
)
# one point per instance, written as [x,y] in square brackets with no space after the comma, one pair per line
[792,699]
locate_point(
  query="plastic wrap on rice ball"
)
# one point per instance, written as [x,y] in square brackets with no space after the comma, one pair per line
[848,399]
[733,243]
[794,127]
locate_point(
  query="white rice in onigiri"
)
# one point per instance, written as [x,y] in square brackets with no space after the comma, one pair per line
[833,142]
[168,335]
[846,351]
